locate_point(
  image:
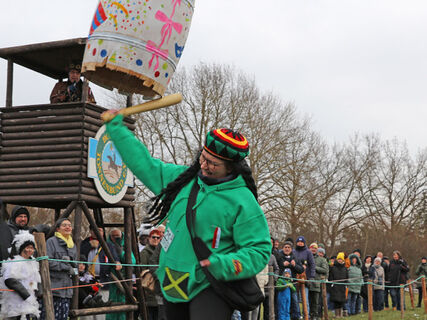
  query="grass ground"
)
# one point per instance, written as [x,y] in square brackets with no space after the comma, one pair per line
[416,313]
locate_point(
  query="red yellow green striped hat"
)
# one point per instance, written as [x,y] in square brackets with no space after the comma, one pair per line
[226,144]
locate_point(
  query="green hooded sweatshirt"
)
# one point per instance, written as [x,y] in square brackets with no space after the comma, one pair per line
[228,219]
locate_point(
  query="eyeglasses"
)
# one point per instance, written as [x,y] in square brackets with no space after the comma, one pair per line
[65,225]
[210,163]
[155,237]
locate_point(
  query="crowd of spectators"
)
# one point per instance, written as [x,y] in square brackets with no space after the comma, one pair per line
[347,278]
[96,273]
[294,265]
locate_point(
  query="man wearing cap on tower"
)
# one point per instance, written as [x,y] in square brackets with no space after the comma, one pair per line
[71,90]
[228,219]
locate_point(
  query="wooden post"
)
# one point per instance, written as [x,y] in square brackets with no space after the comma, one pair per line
[45,275]
[128,251]
[3,213]
[57,213]
[85,88]
[411,293]
[102,310]
[77,230]
[402,302]
[325,302]
[9,85]
[370,301]
[423,286]
[129,101]
[271,283]
[91,220]
[304,300]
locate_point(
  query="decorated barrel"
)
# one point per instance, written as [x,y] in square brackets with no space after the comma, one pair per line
[135,46]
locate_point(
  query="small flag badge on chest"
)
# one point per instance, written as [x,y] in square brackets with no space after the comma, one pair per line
[216,238]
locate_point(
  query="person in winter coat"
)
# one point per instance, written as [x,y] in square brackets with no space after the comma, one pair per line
[18,221]
[93,252]
[226,215]
[88,295]
[116,240]
[146,254]
[398,273]
[386,267]
[338,273]
[421,271]
[61,247]
[22,276]
[366,272]
[321,252]
[356,279]
[71,90]
[378,276]
[321,273]
[304,255]
[271,263]
[288,260]
[285,288]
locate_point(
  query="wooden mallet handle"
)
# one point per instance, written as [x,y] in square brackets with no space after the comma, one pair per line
[144,107]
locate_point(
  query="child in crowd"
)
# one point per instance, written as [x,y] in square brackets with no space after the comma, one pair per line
[284,288]
[88,295]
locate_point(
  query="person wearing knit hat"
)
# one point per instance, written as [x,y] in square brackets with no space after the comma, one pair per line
[289,243]
[22,276]
[314,245]
[226,209]
[321,252]
[303,254]
[285,289]
[286,260]
[338,273]
[321,273]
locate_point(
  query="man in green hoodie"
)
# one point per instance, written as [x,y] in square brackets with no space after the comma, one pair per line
[228,219]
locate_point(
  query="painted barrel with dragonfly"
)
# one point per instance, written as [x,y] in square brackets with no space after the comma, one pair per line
[135,46]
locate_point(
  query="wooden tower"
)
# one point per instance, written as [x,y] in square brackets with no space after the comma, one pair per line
[43,159]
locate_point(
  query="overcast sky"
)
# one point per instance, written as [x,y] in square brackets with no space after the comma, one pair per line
[352,66]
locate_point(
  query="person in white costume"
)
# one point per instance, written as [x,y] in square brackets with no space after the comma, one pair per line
[20,274]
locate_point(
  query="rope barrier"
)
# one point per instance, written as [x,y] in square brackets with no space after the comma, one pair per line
[336,282]
[82,262]
[341,281]
[99,284]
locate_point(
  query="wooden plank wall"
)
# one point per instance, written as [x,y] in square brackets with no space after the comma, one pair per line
[43,155]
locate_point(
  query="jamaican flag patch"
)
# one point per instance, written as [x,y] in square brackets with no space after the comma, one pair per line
[175,283]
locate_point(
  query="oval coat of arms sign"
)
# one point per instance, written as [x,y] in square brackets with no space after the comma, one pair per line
[111,176]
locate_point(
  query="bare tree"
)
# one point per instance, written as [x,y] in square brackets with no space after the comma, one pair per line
[397,190]
[218,96]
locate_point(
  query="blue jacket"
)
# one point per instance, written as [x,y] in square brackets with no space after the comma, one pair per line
[304,255]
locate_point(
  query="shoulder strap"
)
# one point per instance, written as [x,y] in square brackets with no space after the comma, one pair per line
[200,249]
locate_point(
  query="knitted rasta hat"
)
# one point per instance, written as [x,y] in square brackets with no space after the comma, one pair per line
[226,144]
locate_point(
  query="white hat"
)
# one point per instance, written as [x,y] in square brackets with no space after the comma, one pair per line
[21,239]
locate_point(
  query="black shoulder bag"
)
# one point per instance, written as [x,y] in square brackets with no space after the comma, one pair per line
[243,295]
